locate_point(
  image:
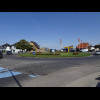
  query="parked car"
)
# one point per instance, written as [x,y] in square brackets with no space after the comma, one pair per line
[73,51]
[97,52]
[1,54]
[9,52]
[84,50]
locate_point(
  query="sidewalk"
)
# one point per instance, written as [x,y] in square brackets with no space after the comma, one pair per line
[84,76]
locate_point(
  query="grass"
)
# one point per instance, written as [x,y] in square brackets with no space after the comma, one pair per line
[54,56]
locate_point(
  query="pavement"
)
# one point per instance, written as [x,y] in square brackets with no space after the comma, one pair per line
[70,77]
[37,72]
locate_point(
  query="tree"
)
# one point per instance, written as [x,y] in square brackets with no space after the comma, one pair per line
[23,44]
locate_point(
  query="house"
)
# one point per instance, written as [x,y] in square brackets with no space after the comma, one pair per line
[91,48]
[1,48]
[44,49]
[53,50]
[15,50]
[8,47]
[35,46]
[97,47]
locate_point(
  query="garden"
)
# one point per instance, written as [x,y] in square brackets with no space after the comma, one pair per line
[54,55]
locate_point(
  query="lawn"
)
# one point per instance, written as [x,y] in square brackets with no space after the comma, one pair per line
[54,56]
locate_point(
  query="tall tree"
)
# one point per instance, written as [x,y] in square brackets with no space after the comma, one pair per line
[23,44]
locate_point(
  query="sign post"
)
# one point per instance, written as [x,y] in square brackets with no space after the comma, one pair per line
[68,48]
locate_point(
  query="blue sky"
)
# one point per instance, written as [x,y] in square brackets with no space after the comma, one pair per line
[46,28]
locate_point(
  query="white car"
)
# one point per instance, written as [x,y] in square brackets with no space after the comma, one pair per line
[84,50]
[97,53]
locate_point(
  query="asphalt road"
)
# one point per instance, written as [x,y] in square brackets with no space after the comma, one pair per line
[32,68]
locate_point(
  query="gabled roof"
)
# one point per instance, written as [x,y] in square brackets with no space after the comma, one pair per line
[37,46]
[5,45]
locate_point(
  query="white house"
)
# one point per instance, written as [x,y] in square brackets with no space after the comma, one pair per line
[8,47]
[14,50]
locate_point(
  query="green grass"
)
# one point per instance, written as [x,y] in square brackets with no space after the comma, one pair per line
[54,56]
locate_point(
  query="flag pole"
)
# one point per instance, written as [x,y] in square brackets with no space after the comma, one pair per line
[82,44]
[60,43]
[79,43]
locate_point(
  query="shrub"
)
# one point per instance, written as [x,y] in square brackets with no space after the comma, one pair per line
[49,53]
[38,53]
[75,53]
[57,54]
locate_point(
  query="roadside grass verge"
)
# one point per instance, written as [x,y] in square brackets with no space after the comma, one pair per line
[47,55]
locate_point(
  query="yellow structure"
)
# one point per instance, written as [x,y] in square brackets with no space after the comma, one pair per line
[68,48]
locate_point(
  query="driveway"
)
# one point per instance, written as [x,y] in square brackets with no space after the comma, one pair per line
[49,71]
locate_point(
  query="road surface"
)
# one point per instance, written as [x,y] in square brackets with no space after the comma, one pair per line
[53,72]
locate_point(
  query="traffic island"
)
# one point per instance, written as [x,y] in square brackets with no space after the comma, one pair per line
[54,55]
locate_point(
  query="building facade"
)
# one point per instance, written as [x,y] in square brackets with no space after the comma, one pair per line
[83,46]
[97,47]
[35,46]
[8,47]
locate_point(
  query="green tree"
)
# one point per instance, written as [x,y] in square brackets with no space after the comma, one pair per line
[23,44]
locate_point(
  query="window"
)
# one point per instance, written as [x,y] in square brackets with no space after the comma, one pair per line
[34,49]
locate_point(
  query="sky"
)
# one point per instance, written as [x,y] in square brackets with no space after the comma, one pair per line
[47,28]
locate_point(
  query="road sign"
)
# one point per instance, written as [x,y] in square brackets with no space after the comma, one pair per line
[33,53]
[68,48]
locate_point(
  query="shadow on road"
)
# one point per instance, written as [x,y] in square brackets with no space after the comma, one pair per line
[15,78]
[98,84]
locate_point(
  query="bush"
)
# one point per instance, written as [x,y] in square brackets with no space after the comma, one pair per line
[49,53]
[38,53]
[75,53]
[57,54]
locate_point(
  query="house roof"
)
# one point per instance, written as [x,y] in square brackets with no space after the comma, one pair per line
[5,45]
[37,46]
[97,46]
[83,45]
